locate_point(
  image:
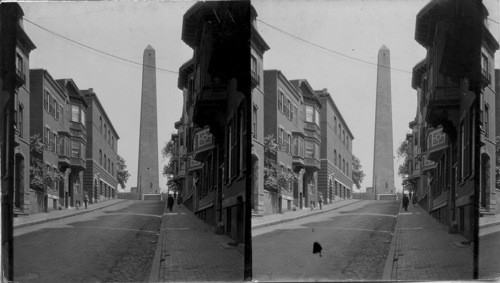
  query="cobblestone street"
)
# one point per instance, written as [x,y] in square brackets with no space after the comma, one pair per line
[424,250]
[190,251]
[115,244]
[355,241]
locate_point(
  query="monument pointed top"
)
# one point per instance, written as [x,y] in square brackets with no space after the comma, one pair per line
[149,47]
[384,48]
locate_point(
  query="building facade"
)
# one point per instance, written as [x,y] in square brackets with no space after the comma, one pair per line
[49,121]
[311,110]
[283,121]
[100,176]
[22,123]
[335,176]
[75,149]
[216,115]
[455,93]
[257,49]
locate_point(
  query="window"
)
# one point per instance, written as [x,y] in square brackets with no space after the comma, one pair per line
[280,138]
[61,146]
[100,157]
[54,142]
[51,106]
[82,120]
[316,151]
[46,98]
[254,122]
[347,168]
[316,116]
[109,165]
[20,120]
[105,161]
[309,114]
[343,165]
[287,108]
[47,136]
[67,146]
[309,149]
[335,157]
[61,113]
[484,66]
[56,106]
[113,142]
[75,148]
[340,160]
[19,63]
[289,143]
[112,168]
[280,101]
[75,113]
[100,123]
[340,129]
[105,131]
[486,121]
[343,137]
[109,135]
[295,114]
[335,121]
[253,66]
[286,143]
[295,146]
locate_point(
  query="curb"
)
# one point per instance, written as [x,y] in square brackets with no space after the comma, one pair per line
[35,222]
[154,274]
[389,262]
[489,225]
[300,217]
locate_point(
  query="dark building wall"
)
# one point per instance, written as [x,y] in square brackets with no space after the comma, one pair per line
[497,102]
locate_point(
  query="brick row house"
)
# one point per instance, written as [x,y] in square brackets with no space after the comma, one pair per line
[314,144]
[211,140]
[452,140]
[100,177]
[335,175]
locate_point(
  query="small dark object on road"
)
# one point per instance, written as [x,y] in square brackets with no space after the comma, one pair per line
[317,248]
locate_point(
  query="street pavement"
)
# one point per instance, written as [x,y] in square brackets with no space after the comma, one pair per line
[355,241]
[53,215]
[188,250]
[424,250]
[113,244]
[489,251]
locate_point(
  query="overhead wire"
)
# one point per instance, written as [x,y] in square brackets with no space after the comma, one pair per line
[95,49]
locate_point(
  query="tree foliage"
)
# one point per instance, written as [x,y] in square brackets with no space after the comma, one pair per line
[168,169]
[404,152]
[357,173]
[42,176]
[122,172]
[275,177]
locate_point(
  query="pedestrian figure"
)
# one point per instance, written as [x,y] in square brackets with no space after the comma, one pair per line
[170,202]
[85,200]
[405,202]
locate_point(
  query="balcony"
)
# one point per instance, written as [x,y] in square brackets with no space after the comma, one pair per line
[203,143]
[64,161]
[77,164]
[312,164]
[78,130]
[20,77]
[437,143]
[210,105]
[312,130]
[297,161]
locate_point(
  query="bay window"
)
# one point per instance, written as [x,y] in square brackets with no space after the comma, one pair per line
[309,114]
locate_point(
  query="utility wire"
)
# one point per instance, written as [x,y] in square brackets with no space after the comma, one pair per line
[97,50]
[330,50]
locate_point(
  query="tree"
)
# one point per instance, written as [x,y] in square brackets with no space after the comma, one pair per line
[42,177]
[275,177]
[122,172]
[168,169]
[404,152]
[357,173]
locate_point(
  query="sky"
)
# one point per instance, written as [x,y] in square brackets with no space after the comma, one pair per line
[352,27]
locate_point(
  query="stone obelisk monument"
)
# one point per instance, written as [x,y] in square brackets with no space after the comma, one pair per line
[148,175]
[383,157]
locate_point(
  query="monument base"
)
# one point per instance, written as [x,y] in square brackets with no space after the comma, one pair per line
[387,197]
[151,197]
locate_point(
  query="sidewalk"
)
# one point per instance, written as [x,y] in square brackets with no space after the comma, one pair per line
[273,219]
[38,218]
[188,250]
[421,249]
[488,221]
